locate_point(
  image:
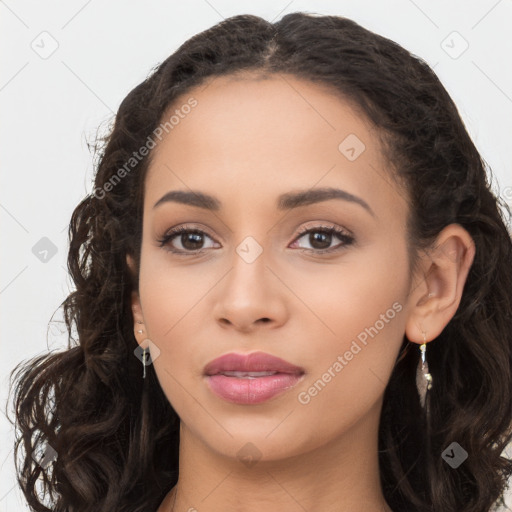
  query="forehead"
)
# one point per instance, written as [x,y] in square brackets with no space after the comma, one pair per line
[249,137]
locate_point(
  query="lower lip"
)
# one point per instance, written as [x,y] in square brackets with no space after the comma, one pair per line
[251,391]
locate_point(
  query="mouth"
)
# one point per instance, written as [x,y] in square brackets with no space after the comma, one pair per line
[247,375]
[251,378]
[255,365]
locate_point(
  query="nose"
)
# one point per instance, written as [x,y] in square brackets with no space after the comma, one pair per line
[250,297]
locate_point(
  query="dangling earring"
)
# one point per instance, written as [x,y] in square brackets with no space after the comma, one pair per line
[423,376]
[144,355]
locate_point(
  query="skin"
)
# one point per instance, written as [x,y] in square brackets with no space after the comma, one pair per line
[247,141]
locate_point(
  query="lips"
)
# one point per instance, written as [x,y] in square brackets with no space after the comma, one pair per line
[251,379]
[256,364]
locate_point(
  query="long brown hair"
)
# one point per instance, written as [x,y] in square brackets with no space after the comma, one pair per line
[117,436]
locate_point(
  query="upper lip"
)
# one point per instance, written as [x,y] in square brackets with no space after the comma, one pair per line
[253,362]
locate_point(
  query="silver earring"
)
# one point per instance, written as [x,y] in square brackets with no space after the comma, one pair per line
[144,355]
[423,376]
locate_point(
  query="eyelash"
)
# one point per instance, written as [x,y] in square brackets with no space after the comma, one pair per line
[342,235]
[345,238]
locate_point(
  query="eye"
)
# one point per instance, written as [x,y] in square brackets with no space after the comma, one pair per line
[321,237]
[191,240]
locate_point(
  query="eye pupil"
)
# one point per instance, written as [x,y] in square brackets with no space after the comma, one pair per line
[195,238]
[318,236]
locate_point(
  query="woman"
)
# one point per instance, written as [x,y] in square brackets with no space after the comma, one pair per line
[293,232]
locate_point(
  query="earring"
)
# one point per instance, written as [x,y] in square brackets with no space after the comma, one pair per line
[144,362]
[423,376]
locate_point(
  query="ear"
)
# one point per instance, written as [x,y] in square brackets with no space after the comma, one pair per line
[138,318]
[437,289]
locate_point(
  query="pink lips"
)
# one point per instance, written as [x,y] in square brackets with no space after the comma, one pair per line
[251,378]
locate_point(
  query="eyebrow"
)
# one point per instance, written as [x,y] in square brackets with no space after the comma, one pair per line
[287,201]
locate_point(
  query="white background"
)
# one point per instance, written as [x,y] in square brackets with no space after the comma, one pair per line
[51,106]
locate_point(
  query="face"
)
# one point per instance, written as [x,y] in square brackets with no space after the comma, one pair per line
[301,254]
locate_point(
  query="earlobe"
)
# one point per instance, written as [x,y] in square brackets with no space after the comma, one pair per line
[438,291]
[138,318]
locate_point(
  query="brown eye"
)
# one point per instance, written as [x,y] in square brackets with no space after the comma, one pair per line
[191,241]
[183,240]
[320,239]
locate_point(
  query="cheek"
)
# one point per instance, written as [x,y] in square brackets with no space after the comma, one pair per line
[169,289]
[357,324]
[173,304]
[170,305]
[342,299]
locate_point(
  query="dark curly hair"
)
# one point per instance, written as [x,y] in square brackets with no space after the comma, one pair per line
[117,436]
